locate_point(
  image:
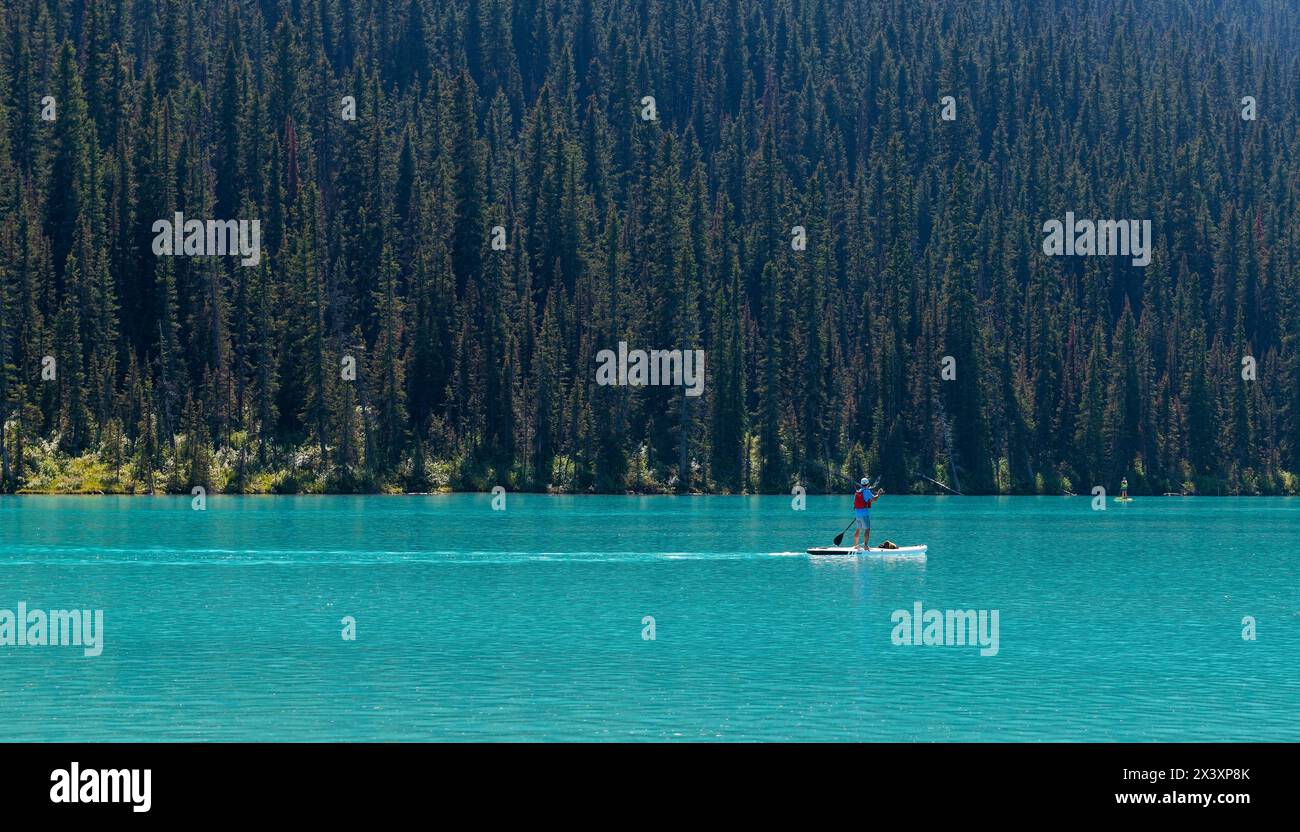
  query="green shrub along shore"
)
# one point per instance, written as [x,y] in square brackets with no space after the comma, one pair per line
[240,470]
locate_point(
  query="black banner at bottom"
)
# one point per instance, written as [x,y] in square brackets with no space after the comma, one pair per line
[341,781]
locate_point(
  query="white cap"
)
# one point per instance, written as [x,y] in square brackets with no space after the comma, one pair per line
[864,481]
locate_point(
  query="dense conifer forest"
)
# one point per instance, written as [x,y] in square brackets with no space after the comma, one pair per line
[462,202]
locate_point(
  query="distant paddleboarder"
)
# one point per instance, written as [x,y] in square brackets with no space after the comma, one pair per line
[862,500]
[1123,489]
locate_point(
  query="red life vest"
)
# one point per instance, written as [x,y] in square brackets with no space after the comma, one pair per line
[860,501]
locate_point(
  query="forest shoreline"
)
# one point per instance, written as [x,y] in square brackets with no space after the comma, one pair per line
[552,492]
[840,205]
[285,472]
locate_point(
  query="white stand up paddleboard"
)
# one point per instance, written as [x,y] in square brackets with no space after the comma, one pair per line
[909,552]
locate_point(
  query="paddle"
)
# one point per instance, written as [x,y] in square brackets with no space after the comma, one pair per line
[839,538]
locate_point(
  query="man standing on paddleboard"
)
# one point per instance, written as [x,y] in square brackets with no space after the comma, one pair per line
[862,500]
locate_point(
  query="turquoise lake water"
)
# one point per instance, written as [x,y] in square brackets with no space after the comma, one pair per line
[526,624]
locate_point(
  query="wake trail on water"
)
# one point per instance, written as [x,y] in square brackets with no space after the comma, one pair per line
[62,556]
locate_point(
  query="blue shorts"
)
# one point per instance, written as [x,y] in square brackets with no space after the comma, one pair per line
[862,518]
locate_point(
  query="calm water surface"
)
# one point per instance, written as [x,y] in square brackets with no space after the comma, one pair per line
[475,624]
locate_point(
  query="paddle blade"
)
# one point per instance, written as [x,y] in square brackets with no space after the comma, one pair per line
[839,538]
